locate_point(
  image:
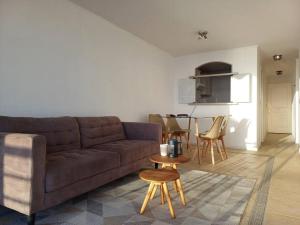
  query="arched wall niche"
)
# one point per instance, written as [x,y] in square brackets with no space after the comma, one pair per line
[213,68]
[215,89]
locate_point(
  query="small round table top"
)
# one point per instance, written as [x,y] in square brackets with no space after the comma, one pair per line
[168,160]
[159,175]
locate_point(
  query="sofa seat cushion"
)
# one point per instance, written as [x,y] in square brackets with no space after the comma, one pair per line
[131,150]
[65,168]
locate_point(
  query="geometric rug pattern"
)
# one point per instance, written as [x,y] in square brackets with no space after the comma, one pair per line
[212,199]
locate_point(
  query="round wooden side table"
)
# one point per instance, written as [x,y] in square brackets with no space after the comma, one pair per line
[168,161]
[159,178]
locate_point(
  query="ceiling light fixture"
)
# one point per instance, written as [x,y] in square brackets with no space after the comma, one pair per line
[202,35]
[277,57]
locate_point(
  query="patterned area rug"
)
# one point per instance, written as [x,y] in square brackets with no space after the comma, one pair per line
[212,199]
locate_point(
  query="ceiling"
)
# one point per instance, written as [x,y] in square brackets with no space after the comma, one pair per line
[172,25]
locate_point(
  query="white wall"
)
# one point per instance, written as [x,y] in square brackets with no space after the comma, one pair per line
[243,127]
[286,65]
[59,59]
[297,102]
[260,100]
[265,106]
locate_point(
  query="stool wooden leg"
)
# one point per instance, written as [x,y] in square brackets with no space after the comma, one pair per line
[162,198]
[179,186]
[175,186]
[153,192]
[146,200]
[167,194]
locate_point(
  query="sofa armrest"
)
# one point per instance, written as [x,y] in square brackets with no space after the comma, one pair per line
[22,171]
[143,131]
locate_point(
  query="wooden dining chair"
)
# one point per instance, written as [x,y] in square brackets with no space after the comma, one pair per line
[175,130]
[210,138]
[222,134]
[157,118]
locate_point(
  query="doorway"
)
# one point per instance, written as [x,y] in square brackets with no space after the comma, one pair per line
[279,112]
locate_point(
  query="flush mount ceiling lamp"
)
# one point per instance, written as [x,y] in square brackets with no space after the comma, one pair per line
[202,35]
[277,57]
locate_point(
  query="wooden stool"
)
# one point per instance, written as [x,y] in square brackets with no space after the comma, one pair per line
[166,161]
[160,177]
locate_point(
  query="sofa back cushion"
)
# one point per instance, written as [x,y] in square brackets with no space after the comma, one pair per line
[62,133]
[99,130]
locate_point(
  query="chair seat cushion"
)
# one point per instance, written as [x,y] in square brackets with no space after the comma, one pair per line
[65,168]
[131,150]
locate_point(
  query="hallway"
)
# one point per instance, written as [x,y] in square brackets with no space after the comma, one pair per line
[283,206]
[276,167]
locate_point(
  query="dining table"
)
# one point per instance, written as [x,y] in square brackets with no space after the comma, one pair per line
[189,119]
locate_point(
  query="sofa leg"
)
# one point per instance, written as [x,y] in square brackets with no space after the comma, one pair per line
[31,219]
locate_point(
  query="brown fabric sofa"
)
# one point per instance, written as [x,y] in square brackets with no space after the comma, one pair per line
[45,161]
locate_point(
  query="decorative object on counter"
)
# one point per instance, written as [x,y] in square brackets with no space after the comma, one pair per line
[164,149]
[173,148]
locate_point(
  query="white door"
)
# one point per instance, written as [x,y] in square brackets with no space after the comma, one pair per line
[280,108]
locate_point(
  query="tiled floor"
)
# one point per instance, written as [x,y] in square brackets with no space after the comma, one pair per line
[276,166]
